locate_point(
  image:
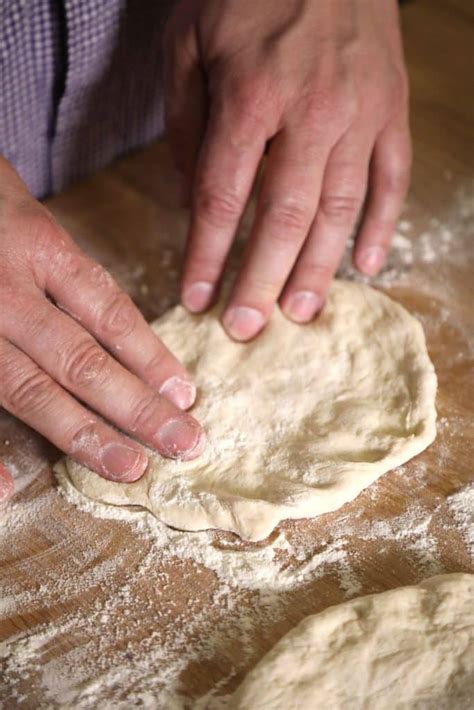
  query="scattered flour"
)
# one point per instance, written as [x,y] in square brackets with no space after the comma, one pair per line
[133,644]
[461,506]
[133,624]
[432,243]
[241,565]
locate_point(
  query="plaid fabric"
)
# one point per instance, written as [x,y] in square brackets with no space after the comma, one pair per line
[29,63]
[80,84]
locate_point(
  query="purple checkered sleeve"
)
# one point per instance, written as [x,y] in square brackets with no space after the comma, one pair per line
[80,84]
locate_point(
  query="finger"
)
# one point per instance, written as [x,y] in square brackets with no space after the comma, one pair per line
[85,290]
[342,194]
[185,101]
[389,179]
[72,357]
[7,485]
[286,208]
[30,394]
[226,169]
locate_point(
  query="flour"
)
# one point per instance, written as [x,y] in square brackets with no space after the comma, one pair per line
[259,568]
[18,465]
[106,654]
[149,619]
[432,243]
[461,506]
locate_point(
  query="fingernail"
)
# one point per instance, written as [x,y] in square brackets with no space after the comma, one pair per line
[242,323]
[180,439]
[303,306]
[181,392]
[183,189]
[122,463]
[198,296]
[371,260]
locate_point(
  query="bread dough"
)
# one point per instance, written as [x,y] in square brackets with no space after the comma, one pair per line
[298,422]
[411,648]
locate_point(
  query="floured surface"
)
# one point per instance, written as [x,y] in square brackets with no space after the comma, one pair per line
[298,422]
[411,647]
[136,613]
[104,609]
[114,611]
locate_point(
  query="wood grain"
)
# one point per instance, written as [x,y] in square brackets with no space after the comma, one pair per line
[127,218]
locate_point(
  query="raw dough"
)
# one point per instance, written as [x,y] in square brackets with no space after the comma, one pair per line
[298,422]
[411,648]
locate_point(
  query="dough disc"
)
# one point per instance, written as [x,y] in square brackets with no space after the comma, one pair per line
[298,422]
[409,648]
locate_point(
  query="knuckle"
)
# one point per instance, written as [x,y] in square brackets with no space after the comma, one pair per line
[395,180]
[400,87]
[87,363]
[290,216]
[334,98]
[262,288]
[317,272]
[85,439]
[319,100]
[119,317]
[203,264]
[219,209]
[154,365]
[28,392]
[246,91]
[341,209]
[322,99]
[53,252]
[39,220]
[390,99]
[48,237]
[144,415]
[247,106]
[41,239]
[249,97]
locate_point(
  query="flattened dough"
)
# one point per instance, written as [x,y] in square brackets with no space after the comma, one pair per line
[298,422]
[411,648]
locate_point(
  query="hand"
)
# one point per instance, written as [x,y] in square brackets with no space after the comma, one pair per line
[7,485]
[73,346]
[323,85]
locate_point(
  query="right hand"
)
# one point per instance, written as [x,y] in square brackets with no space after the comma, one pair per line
[61,315]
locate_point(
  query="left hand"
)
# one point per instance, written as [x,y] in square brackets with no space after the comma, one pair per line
[7,485]
[325,84]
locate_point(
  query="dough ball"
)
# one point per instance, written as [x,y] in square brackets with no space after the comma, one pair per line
[409,648]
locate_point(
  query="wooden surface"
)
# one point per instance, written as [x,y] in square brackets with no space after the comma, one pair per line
[126,217]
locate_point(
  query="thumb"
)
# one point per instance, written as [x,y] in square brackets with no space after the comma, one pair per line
[185,98]
[7,485]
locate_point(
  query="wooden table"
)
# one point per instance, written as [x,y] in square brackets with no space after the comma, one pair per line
[83,591]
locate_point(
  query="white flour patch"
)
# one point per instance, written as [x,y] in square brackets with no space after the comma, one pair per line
[461,506]
[255,568]
[435,244]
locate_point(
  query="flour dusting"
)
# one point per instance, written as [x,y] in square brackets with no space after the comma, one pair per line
[140,615]
[461,506]
[133,644]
